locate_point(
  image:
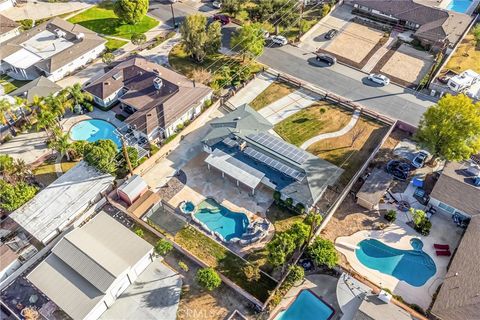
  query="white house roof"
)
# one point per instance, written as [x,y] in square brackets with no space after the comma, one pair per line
[134,186]
[60,203]
[94,255]
[22,59]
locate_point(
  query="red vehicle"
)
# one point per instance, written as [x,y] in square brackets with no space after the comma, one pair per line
[223,19]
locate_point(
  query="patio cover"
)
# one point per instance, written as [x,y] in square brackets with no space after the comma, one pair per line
[235,168]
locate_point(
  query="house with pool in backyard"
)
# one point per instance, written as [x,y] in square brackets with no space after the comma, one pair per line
[153,101]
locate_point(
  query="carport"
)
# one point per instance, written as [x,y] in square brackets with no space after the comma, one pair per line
[235,169]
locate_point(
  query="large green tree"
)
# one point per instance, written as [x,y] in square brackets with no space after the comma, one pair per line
[101,155]
[131,11]
[198,39]
[280,248]
[249,40]
[232,7]
[451,128]
[13,196]
[323,252]
[281,13]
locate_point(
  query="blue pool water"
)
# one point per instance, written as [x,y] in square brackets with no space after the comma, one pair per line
[93,130]
[306,307]
[219,219]
[188,207]
[412,266]
[459,5]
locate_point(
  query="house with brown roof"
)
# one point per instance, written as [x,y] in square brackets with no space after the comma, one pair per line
[52,49]
[432,26]
[457,191]
[8,28]
[157,99]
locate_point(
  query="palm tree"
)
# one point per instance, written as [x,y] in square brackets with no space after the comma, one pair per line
[78,96]
[61,143]
[6,109]
[20,170]
[47,120]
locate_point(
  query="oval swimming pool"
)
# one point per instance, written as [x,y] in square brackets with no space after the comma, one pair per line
[220,219]
[376,255]
[94,129]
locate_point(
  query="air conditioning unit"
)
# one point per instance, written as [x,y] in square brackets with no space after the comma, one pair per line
[59,33]
[158,83]
[80,36]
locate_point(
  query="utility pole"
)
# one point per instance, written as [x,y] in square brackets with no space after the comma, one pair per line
[173,16]
[125,154]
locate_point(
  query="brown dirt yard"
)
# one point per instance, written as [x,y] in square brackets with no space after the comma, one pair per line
[355,42]
[408,64]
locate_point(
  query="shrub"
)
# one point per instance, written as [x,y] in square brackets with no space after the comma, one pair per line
[163,247]
[252,272]
[208,278]
[138,38]
[180,127]
[424,227]
[27,24]
[300,208]
[323,252]
[88,106]
[391,215]
[325,9]
[183,266]
[420,222]
[289,202]
[277,197]
[108,58]
[139,232]
[296,274]
[153,148]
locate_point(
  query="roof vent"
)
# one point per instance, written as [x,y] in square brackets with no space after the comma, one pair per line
[59,33]
[80,36]
[158,83]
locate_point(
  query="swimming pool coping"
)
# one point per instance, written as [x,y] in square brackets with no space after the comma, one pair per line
[89,119]
[295,298]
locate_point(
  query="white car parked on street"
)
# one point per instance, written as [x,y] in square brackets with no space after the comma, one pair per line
[280,40]
[379,78]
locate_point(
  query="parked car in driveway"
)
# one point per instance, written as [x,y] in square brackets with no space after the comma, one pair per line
[326,58]
[379,78]
[398,169]
[331,34]
[420,159]
[280,40]
[222,18]
[217,4]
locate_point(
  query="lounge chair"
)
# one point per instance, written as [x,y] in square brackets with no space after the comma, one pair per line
[441,246]
[443,253]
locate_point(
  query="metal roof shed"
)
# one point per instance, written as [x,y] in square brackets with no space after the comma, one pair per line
[373,189]
[132,189]
[61,203]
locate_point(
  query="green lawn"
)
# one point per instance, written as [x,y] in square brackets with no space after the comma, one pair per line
[181,62]
[320,118]
[224,261]
[272,93]
[103,20]
[9,84]
[113,44]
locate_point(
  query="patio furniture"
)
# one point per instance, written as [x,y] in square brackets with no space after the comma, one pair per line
[441,246]
[443,253]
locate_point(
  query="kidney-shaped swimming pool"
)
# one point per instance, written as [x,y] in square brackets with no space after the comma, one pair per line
[93,130]
[412,266]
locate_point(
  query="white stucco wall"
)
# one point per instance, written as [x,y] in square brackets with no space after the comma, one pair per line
[77,63]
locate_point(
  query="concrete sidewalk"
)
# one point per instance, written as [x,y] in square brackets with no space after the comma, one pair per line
[252,89]
[289,105]
[335,134]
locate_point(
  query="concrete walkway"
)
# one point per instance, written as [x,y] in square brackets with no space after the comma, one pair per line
[252,89]
[160,53]
[289,105]
[372,62]
[339,133]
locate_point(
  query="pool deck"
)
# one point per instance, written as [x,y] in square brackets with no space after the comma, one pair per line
[68,122]
[398,235]
[202,183]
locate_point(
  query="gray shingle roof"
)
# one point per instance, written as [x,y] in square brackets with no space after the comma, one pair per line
[458,298]
[40,87]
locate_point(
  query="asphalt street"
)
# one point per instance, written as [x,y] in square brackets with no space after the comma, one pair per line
[162,10]
[393,101]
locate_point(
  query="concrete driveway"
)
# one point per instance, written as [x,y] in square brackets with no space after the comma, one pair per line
[43,9]
[154,295]
[26,146]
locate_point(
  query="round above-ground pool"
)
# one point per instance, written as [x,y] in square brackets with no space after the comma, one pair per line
[93,130]
[398,263]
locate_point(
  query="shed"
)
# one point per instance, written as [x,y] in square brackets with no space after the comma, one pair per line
[132,189]
[373,189]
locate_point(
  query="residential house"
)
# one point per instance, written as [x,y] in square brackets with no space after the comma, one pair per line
[52,49]
[91,266]
[240,146]
[7,4]
[63,203]
[432,26]
[457,191]
[8,28]
[40,87]
[156,99]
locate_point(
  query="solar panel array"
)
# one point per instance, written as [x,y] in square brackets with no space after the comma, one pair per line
[295,174]
[230,142]
[279,146]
